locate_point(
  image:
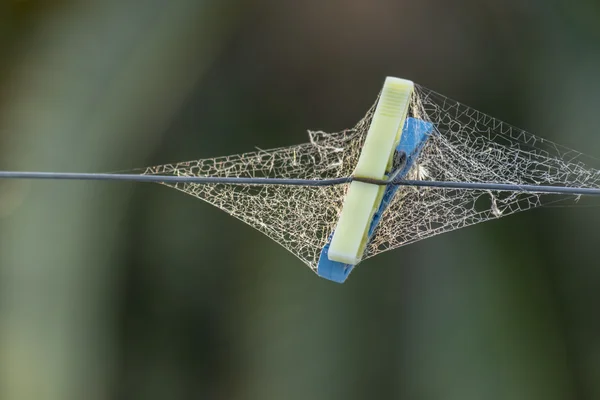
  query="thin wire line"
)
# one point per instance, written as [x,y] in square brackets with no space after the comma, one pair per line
[169,178]
[299,182]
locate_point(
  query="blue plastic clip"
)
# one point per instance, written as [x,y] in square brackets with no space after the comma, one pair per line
[414,136]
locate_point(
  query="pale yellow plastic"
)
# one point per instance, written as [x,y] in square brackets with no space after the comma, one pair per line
[363,199]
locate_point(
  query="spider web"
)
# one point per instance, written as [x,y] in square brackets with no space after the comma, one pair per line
[466,146]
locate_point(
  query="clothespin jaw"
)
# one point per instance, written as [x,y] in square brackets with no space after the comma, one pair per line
[362,199]
[365,203]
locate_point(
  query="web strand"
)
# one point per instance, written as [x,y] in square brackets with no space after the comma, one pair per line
[447,188]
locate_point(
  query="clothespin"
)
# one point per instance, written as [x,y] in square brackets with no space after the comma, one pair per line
[390,133]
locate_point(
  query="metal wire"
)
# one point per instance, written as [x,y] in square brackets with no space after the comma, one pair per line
[299,182]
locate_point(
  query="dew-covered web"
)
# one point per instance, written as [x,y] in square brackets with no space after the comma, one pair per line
[466,146]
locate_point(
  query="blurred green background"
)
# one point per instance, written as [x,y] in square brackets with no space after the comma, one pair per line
[132,291]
